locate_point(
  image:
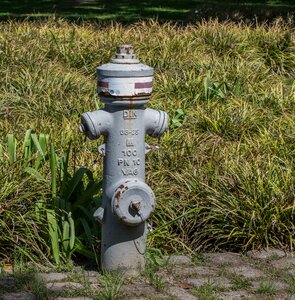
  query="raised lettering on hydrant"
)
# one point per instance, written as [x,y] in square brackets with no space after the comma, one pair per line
[124,86]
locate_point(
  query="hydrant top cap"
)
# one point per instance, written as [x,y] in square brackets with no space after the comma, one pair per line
[125,55]
[128,49]
[125,64]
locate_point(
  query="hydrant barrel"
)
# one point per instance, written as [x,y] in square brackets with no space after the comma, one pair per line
[124,86]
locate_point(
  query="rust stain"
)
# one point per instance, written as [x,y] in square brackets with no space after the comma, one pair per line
[102,84]
[139,96]
[121,189]
[125,189]
[117,196]
[142,94]
[105,93]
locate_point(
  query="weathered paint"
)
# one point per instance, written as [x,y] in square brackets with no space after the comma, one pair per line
[127,200]
[125,87]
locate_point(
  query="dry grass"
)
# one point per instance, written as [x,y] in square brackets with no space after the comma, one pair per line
[224,177]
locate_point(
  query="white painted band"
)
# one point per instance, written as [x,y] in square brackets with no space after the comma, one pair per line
[125,86]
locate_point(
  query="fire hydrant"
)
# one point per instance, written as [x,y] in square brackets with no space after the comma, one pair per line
[124,86]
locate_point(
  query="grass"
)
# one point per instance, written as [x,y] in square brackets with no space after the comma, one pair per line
[111,284]
[154,261]
[276,275]
[24,281]
[240,282]
[198,258]
[155,279]
[206,291]
[224,176]
[267,288]
[292,285]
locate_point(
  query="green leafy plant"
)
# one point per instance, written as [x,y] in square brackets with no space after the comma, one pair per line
[70,220]
[66,215]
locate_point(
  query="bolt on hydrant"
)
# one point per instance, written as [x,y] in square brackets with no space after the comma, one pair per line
[124,86]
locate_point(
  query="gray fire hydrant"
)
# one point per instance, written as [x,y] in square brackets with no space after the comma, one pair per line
[124,86]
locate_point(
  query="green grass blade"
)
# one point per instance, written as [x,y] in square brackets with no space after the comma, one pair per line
[72,231]
[87,195]
[207,82]
[87,213]
[87,230]
[42,145]
[39,209]
[1,153]
[37,145]
[53,234]
[54,38]
[11,143]
[27,145]
[43,141]
[189,211]
[53,169]
[64,169]
[65,235]
[74,182]
[80,248]
[35,173]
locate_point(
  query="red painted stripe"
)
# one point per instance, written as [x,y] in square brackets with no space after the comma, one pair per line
[143,85]
[103,84]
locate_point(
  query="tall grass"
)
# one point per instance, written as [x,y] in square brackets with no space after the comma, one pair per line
[226,165]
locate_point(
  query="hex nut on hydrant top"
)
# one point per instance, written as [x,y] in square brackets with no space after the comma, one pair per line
[124,86]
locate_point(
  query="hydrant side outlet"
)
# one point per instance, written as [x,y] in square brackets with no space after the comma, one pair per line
[156,122]
[124,86]
[96,123]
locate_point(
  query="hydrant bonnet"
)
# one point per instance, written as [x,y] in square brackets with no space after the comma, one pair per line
[124,78]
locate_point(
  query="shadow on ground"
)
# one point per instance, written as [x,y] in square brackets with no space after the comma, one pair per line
[128,11]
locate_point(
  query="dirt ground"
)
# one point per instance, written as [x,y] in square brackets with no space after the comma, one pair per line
[256,275]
